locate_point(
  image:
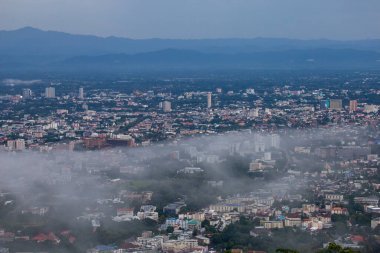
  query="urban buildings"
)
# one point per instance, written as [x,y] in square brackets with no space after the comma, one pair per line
[268,160]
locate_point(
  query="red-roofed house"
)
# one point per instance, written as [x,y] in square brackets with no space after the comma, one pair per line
[357,238]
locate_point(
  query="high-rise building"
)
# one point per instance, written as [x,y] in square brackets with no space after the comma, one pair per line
[259,143]
[17,145]
[27,93]
[20,144]
[336,104]
[11,145]
[50,92]
[81,93]
[209,101]
[167,106]
[353,105]
[275,140]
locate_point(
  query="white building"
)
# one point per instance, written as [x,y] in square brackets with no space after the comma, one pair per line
[250,91]
[209,101]
[81,93]
[275,141]
[27,93]
[190,170]
[50,92]
[167,106]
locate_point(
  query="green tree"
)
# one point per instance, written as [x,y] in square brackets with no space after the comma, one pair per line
[335,248]
[281,250]
[169,229]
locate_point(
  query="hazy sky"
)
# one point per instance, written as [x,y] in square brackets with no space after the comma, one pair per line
[334,19]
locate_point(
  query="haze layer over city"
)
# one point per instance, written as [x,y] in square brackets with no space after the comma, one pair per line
[189,126]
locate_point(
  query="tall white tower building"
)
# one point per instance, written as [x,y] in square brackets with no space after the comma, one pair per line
[275,141]
[50,92]
[209,101]
[167,106]
[81,93]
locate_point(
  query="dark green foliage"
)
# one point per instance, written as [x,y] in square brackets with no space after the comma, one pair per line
[281,250]
[335,248]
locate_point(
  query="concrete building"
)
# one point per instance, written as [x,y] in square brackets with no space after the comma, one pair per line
[372,200]
[371,108]
[179,245]
[167,106]
[50,92]
[225,207]
[334,197]
[27,93]
[336,104]
[272,224]
[250,91]
[16,145]
[353,105]
[81,93]
[209,101]
[255,166]
[293,221]
[275,140]
[254,112]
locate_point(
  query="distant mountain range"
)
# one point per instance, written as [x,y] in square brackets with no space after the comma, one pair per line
[33,49]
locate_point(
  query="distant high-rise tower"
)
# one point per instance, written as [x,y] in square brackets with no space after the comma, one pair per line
[81,93]
[209,101]
[353,105]
[259,143]
[336,104]
[275,140]
[50,92]
[167,106]
[27,93]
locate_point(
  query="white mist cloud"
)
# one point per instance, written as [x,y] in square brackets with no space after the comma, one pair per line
[14,82]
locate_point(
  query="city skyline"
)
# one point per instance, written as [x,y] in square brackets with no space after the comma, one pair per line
[189,126]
